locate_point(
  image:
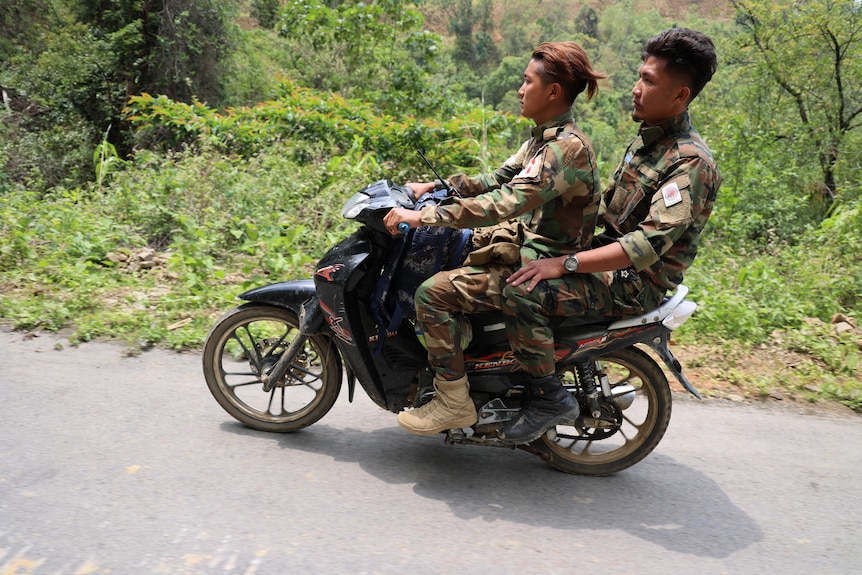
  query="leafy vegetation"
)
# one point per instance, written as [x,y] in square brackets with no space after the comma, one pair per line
[157,159]
[824,91]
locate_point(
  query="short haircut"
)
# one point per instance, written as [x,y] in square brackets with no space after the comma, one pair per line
[567,64]
[688,53]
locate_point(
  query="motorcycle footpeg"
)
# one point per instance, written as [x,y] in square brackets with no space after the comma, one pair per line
[458,435]
[468,435]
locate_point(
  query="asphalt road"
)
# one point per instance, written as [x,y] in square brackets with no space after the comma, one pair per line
[126,465]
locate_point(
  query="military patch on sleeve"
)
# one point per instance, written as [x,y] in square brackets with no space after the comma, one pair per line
[671,194]
[533,170]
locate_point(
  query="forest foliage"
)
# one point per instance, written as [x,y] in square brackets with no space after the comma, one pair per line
[158,157]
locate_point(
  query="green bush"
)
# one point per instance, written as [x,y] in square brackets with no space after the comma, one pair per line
[215,223]
[746,295]
[332,124]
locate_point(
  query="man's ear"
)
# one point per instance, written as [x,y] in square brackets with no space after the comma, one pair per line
[556,91]
[683,95]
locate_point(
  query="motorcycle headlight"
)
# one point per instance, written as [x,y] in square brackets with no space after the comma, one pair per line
[354,206]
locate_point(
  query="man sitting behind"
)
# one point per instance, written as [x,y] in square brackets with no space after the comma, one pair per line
[653,214]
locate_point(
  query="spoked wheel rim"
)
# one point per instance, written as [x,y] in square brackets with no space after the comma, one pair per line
[248,342]
[639,427]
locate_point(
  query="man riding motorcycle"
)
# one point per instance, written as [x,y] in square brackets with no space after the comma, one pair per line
[546,196]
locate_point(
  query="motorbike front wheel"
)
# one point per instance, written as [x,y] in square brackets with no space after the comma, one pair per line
[244,344]
[640,418]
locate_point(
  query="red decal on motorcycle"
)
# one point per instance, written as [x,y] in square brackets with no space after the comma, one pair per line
[327,272]
[336,325]
[605,339]
[594,342]
[375,338]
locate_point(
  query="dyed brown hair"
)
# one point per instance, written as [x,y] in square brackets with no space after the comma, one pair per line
[567,64]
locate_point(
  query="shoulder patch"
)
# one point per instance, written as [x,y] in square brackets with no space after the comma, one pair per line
[532,169]
[671,194]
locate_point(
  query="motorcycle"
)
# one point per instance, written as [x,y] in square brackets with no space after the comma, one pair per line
[277,362]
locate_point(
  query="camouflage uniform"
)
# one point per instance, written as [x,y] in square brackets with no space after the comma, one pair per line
[552,187]
[661,197]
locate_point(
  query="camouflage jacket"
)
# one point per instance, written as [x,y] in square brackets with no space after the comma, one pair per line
[661,197]
[551,185]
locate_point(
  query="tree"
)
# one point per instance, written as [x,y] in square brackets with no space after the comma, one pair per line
[505,80]
[812,51]
[473,29]
[266,12]
[487,54]
[169,47]
[68,67]
[587,22]
[375,51]
[20,21]
[461,26]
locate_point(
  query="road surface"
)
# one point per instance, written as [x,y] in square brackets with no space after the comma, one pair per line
[126,465]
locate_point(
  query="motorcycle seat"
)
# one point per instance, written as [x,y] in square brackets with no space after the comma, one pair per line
[488,328]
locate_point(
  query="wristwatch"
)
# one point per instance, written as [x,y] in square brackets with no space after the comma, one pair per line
[571,264]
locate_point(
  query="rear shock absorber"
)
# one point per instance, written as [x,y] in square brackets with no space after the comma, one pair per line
[587,379]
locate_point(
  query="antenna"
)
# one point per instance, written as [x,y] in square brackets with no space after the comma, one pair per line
[449,188]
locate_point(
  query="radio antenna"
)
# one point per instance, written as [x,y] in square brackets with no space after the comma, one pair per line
[449,188]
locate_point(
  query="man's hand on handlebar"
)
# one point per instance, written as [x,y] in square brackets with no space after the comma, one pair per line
[399,215]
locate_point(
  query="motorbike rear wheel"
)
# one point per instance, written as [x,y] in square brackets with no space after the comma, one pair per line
[584,450]
[244,344]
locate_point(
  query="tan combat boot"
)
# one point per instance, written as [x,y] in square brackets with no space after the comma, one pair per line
[451,408]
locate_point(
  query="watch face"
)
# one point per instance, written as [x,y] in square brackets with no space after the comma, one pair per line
[571,263]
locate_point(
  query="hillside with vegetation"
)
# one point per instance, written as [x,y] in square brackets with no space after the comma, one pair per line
[158,158]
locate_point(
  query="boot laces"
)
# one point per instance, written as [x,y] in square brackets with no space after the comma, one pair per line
[441,397]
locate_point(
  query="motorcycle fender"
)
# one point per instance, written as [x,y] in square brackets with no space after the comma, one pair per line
[656,336]
[299,296]
[660,346]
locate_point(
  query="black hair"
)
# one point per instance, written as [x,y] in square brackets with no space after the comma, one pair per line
[688,53]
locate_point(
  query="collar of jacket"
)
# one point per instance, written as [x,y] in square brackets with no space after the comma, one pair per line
[650,134]
[550,129]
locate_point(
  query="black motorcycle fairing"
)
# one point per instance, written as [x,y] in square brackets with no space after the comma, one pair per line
[299,296]
[344,280]
[371,203]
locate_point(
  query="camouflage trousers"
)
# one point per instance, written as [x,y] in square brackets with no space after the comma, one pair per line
[442,298]
[593,297]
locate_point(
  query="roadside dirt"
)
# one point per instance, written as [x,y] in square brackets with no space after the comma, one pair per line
[768,376]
